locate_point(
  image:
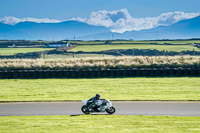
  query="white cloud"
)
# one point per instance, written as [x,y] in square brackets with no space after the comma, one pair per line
[121,21]
[13,20]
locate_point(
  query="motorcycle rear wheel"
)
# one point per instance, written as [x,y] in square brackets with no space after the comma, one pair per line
[85,109]
[111,110]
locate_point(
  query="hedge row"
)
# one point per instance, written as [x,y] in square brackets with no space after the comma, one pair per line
[145,72]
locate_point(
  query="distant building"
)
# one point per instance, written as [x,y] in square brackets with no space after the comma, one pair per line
[13,45]
[57,45]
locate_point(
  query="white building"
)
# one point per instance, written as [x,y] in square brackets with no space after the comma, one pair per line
[57,45]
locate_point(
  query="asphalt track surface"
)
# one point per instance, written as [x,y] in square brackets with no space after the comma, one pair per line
[122,108]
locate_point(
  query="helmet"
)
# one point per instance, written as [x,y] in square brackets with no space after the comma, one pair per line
[97,96]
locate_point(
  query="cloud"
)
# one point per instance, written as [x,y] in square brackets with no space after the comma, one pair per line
[117,21]
[13,20]
[121,21]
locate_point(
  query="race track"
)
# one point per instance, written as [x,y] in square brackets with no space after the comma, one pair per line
[122,108]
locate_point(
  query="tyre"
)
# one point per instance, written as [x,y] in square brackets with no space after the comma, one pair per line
[111,110]
[85,109]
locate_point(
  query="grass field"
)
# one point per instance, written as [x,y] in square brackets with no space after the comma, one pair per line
[136,42]
[93,48]
[161,42]
[70,56]
[99,124]
[12,51]
[88,42]
[110,88]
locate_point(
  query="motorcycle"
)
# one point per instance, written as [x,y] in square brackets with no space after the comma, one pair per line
[102,105]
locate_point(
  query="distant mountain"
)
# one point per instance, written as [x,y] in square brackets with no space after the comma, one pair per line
[182,30]
[189,28]
[48,31]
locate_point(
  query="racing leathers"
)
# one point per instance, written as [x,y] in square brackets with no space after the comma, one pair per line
[92,101]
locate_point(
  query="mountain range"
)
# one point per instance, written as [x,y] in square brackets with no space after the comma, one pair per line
[184,29]
[48,31]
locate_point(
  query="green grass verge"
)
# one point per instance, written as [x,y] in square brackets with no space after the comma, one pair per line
[12,51]
[110,88]
[99,124]
[95,48]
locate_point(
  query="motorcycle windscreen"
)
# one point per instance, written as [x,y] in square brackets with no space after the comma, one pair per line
[84,101]
[99,102]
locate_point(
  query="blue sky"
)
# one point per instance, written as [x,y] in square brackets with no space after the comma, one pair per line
[67,9]
[117,15]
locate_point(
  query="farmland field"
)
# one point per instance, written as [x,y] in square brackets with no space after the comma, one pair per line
[161,42]
[12,51]
[70,56]
[93,48]
[111,88]
[99,124]
[138,42]
[88,42]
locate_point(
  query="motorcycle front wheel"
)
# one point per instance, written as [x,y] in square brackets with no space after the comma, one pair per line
[85,109]
[111,110]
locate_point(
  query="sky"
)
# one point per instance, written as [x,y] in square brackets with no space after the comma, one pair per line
[67,9]
[117,15]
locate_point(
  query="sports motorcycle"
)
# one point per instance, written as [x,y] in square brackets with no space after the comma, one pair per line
[102,105]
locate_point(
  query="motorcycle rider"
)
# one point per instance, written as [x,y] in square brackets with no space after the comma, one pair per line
[93,100]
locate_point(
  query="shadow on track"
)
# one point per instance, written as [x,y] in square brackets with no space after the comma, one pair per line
[87,114]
